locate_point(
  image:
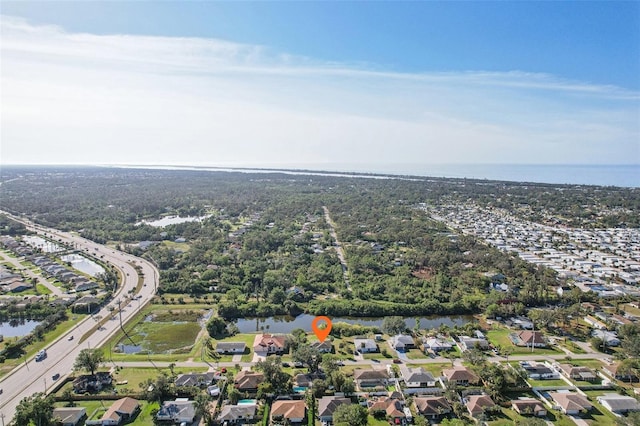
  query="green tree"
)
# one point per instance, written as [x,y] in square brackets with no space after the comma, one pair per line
[350,415]
[234,395]
[89,360]
[36,409]
[631,419]
[393,325]
[273,374]
[349,386]
[309,356]
[530,421]
[217,327]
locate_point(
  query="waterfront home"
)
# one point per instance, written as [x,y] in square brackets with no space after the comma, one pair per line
[570,403]
[436,344]
[121,411]
[323,347]
[529,406]
[267,344]
[402,342]
[432,407]
[417,377]
[466,343]
[370,378]
[327,405]
[288,412]
[578,373]
[178,411]
[365,345]
[618,404]
[70,416]
[478,404]
[230,347]
[237,414]
[460,375]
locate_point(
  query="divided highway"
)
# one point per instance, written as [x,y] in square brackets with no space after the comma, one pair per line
[33,376]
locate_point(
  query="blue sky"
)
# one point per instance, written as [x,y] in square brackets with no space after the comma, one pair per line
[293,83]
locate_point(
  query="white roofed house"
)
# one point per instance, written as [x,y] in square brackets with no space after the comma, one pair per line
[437,344]
[365,345]
[417,377]
[230,347]
[467,343]
[619,404]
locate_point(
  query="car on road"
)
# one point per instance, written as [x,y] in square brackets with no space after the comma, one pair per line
[55,377]
[41,355]
[397,361]
[286,364]
[70,338]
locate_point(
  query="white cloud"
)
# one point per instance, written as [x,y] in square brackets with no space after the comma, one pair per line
[84,98]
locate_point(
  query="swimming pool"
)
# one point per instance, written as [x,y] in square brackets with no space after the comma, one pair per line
[299,389]
[248,402]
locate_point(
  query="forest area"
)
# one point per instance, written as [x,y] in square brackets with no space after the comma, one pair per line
[263,246]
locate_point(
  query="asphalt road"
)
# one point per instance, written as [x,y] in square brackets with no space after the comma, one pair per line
[32,376]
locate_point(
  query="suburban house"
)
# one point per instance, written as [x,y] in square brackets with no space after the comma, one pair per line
[402,342]
[595,322]
[200,380]
[237,414]
[70,416]
[460,375]
[436,345]
[477,404]
[303,380]
[230,347]
[327,405]
[323,347]
[177,411]
[365,345]
[570,403]
[288,412]
[391,407]
[89,383]
[370,378]
[18,286]
[529,406]
[121,411]
[578,373]
[538,371]
[248,381]
[609,337]
[619,404]
[432,407]
[612,371]
[466,343]
[417,377]
[528,338]
[267,344]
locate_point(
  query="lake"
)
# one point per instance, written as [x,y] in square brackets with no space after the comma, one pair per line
[286,324]
[17,327]
[83,264]
[173,220]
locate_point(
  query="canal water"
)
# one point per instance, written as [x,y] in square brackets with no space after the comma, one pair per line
[285,324]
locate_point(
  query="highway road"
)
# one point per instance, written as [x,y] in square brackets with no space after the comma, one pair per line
[32,376]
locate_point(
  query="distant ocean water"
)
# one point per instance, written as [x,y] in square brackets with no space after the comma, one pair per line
[604,175]
[607,175]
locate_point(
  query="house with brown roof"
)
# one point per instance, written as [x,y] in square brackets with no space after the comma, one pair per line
[478,404]
[614,371]
[70,416]
[528,338]
[391,407]
[327,405]
[570,403]
[370,378]
[248,381]
[432,407]
[121,411]
[288,412]
[578,373]
[460,375]
[267,344]
[528,406]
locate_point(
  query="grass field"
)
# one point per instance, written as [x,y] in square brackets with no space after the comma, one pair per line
[500,337]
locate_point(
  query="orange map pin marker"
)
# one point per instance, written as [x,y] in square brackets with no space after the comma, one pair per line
[323,332]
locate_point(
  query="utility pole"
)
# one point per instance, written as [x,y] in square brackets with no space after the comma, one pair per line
[2,417]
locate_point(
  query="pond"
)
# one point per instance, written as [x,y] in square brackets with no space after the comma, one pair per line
[173,220]
[42,244]
[17,327]
[285,324]
[83,264]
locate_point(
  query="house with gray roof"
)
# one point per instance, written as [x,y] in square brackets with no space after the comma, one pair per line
[237,414]
[417,377]
[327,405]
[70,416]
[365,345]
[230,347]
[200,380]
[401,342]
[177,411]
[619,404]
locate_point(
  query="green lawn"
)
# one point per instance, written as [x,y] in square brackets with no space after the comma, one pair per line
[500,337]
[547,383]
[144,418]
[372,421]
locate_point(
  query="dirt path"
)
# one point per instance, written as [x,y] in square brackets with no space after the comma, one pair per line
[338,246]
